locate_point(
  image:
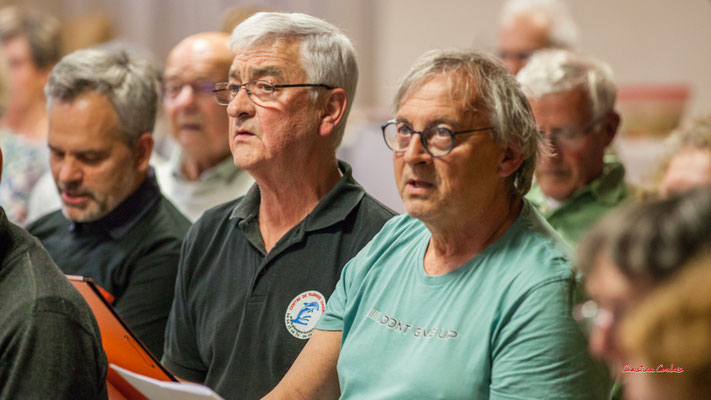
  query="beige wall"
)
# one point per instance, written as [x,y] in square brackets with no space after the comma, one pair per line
[644,40]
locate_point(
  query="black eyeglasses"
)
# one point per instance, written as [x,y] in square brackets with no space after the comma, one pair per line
[438,140]
[260,92]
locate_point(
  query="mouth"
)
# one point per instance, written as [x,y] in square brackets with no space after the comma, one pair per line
[418,187]
[74,199]
[191,127]
[240,135]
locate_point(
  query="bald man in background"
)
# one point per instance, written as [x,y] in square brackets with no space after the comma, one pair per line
[200,173]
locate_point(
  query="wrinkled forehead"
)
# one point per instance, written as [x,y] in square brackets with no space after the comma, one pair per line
[280,59]
[461,92]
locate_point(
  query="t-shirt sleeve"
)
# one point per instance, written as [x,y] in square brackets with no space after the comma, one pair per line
[352,276]
[51,356]
[181,355]
[332,319]
[540,352]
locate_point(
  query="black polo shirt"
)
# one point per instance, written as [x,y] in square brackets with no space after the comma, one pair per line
[132,252]
[242,315]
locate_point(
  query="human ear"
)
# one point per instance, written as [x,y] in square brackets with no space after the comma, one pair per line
[511,161]
[333,111]
[142,151]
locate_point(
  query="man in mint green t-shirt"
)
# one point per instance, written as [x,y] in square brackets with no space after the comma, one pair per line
[470,294]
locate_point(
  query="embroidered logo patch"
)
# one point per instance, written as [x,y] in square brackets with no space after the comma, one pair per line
[304,312]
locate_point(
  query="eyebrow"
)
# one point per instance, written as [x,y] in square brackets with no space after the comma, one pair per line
[256,73]
[438,121]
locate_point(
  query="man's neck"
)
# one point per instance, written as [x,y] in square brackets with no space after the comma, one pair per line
[192,168]
[289,195]
[453,245]
[31,122]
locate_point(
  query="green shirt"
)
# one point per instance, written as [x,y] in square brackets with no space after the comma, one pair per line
[498,327]
[586,206]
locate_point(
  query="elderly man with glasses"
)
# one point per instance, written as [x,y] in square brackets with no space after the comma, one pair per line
[200,173]
[255,272]
[573,99]
[469,296]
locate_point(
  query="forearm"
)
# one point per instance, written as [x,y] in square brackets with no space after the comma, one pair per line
[314,374]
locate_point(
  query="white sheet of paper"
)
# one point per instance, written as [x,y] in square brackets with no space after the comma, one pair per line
[160,390]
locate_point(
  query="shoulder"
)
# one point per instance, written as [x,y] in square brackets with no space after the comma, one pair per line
[399,233]
[212,223]
[48,224]
[532,253]
[167,219]
[41,288]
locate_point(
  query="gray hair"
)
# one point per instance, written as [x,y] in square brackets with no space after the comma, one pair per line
[40,29]
[555,70]
[651,241]
[484,82]
[327,55]
[130,82]
[562,30]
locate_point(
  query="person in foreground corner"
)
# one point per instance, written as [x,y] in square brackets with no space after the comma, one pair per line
[470,294]
[50,344]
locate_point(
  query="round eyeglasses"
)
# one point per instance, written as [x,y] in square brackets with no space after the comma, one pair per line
[437,140]
[260,92]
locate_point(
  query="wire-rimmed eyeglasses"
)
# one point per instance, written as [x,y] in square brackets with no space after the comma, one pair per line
[260,92]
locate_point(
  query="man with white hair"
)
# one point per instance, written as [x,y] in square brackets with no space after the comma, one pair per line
[573,101]
[255,273]
[529,25]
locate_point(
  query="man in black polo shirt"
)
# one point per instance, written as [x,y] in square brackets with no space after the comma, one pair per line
[114,225]
[255,273]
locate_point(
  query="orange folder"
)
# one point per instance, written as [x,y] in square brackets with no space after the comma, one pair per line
[121,345]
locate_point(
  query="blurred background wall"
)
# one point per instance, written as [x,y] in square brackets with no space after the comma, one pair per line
[660,41]
[658,49]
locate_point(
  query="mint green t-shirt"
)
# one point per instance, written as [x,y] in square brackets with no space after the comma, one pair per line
[498,327]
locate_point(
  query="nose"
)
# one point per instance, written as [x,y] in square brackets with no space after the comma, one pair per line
[241,107]
[69,170]
[415,152]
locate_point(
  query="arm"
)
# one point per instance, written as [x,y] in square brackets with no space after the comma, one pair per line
[50,355]
[181,354]
[313,375]
[540,352]
[146,302]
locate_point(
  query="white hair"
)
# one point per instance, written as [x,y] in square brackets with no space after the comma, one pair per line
[556,70]
[563,31]
[327,55]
